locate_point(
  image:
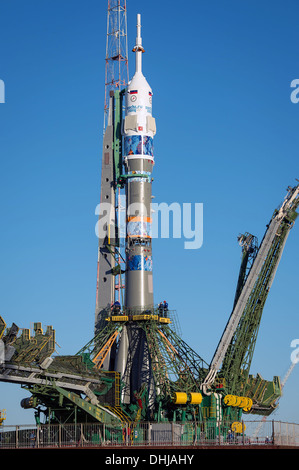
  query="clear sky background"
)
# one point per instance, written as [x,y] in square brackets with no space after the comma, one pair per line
[227,136]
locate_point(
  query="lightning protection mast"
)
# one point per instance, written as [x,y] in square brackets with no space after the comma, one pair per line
[111,261]
[116,61]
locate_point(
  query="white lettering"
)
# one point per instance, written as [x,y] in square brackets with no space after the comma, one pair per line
[295,353]
[106,223]
[164,209]
[153,459]
[168,460]
[116,460]
[197,233]
[157,223]
[2,92]
[294,97]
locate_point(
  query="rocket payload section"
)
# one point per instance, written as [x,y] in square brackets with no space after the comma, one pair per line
[138,160]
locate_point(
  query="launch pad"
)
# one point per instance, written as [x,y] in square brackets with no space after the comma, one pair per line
[137,369]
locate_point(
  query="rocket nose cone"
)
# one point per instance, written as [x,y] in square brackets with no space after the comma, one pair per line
[139,82]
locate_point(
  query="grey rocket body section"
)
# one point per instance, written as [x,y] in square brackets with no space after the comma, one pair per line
[139,279]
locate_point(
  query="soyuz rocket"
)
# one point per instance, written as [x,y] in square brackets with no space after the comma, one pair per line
[139,127]
[138,160]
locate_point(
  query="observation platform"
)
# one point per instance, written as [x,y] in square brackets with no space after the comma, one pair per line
[151,313]
[144,317]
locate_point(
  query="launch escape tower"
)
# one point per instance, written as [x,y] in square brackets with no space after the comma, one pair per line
[137,367]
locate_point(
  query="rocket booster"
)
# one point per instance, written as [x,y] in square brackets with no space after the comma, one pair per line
[138,159]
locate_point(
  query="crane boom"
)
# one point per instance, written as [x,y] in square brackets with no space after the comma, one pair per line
[263,269]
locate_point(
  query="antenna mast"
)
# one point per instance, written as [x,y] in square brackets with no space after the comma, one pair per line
[117,65]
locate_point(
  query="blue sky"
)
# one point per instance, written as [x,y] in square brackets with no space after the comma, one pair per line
[227,137]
